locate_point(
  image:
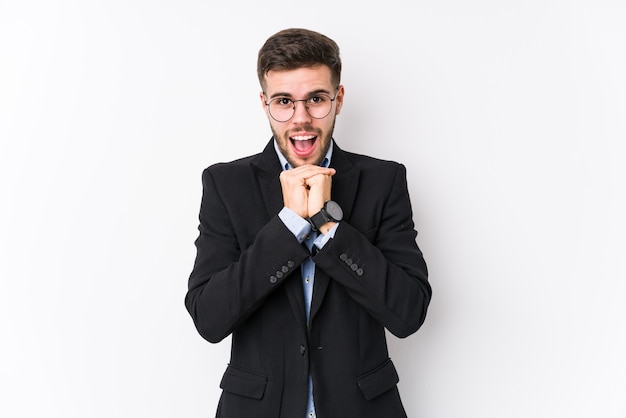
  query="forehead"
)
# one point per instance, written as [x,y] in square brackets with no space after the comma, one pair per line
[298,82]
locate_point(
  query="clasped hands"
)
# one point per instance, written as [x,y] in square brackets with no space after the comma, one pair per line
[306,188]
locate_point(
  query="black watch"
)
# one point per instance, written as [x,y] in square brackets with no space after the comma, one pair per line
[331,212]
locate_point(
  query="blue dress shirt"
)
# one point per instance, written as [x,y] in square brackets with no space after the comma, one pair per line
[301,229]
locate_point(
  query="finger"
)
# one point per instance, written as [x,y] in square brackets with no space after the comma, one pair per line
[324,180]
[307,171]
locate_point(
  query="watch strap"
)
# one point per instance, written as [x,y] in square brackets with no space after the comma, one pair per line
[319,219]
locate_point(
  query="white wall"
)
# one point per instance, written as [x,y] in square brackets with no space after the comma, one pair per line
[509,115]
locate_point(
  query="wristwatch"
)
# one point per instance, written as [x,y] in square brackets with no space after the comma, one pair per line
[331,212]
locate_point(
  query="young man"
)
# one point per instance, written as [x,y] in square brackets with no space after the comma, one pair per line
[306,253]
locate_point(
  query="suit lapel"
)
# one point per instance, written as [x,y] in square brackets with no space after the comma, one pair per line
[345,181]
[267,169]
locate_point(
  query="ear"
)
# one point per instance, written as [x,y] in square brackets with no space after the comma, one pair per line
[262,97]
[339,99]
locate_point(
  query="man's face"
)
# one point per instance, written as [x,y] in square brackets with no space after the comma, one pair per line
[302,139]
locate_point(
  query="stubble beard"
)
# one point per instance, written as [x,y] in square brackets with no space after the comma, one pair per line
[285,152]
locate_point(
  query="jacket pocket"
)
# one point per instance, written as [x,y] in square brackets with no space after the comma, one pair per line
[243,383]
[379,380]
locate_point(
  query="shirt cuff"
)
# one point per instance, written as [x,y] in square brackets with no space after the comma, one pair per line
[321,240]
[299,227]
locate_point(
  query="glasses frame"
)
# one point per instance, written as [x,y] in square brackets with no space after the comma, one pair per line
[293,102]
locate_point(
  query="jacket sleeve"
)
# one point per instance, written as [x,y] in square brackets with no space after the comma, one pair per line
[231,277]
[384,271]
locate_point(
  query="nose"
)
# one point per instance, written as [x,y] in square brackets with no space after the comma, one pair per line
[300,113]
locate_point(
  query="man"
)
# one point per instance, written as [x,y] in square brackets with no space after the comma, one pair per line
[306,253]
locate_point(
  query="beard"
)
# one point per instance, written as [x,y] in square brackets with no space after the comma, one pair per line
[284,142]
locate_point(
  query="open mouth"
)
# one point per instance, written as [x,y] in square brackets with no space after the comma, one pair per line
[303,145]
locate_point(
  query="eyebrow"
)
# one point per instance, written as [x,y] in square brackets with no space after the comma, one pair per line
[288,95]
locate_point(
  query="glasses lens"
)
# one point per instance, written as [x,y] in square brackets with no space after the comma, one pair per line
[281,109]
[319,105]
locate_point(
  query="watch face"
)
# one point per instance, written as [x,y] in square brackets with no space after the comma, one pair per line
[334,210]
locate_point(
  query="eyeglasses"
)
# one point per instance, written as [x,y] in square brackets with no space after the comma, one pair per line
[317,105]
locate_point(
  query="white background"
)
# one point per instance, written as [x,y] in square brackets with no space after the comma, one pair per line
[509,115]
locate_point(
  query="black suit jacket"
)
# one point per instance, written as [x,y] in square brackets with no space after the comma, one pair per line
[246,281]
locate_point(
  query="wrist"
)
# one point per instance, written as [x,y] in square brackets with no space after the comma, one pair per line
[325,229]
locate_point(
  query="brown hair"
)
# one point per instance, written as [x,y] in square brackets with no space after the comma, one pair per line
[295,48]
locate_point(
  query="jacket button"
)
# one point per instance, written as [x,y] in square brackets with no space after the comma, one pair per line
[284,269]
[343,257]
[279,274]
[359,272]
[290,264]
[349,261]
[273,279]
[302,349]
[354,267]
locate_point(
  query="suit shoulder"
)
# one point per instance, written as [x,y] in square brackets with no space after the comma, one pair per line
[229,167]
[369,163]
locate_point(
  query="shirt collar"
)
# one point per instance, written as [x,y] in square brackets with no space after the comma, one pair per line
[286,166]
